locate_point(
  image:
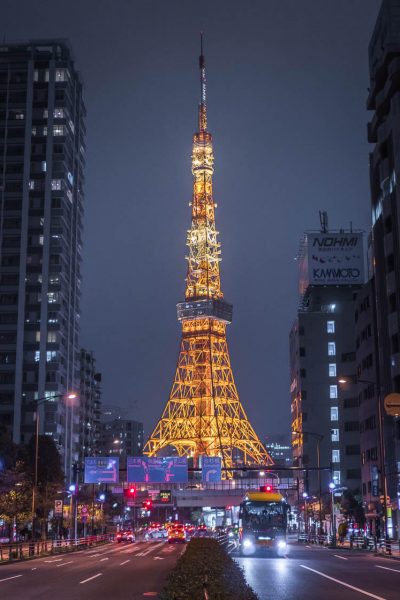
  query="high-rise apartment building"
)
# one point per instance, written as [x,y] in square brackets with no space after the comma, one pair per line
[322,349]
[121,437]
[384,133]
[42,147]
[90,406]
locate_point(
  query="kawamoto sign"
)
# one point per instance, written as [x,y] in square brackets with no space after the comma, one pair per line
[335,258]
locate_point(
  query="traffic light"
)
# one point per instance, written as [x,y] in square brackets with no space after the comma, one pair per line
[147,505]
[130,492]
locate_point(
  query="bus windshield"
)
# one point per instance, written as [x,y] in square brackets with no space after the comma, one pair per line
[264,515]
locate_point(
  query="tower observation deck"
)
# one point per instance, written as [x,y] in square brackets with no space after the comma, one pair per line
[204,415]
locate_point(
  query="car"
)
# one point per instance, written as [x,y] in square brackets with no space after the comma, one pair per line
[126,536]
[157,533]
[177,534]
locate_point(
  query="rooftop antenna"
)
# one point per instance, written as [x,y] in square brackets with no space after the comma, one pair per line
[203,95]
[323,219]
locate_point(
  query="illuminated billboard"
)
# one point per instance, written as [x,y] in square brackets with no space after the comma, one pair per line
[143,469]
[210,469]
[332,258]
[101,469]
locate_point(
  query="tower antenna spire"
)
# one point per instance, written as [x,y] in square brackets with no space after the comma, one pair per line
[203,95]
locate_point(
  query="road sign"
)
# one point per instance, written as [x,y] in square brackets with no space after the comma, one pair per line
[58,508]
[392,404]
[211,469]
[101,469]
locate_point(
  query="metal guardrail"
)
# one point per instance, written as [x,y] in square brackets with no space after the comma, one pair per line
[22,550]
[388,547]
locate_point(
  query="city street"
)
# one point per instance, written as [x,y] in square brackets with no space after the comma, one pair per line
[315,573]
[111,572]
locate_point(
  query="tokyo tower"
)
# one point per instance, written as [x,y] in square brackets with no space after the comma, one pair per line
[204,415]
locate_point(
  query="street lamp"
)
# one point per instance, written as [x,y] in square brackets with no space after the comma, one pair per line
[319,437]
[38,402]
[354,380]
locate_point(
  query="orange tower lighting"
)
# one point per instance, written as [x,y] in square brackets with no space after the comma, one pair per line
[204,415]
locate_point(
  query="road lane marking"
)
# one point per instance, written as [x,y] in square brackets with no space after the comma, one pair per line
[53,561]
[34,569]
[101,560]
[342,557]
[344,584]
[8,578]
[158,558]
[62,564]
[90,578]
[124,563]
[387,568]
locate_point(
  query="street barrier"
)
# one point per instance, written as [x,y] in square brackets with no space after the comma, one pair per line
[23,550]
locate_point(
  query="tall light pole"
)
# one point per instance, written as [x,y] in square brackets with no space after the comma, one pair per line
[319,437]
[382,450]
[38,402]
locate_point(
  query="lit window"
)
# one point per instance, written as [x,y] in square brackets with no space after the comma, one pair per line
[58,130]
[51,355]
[336,477]
[35,75]
[45,130]
[31,184]
[44,166]
[37,336]
[330,326]
[332,370]
[52,297]
[331,349]
[33,130]
[41,240]
[70,178]
[333,391]
[335,456]
[56,184]
[334,413]
[20,116]
[45,113]
[37,356]
[46,75]
[58,113]
[60,75]
[52,337]
[334,435]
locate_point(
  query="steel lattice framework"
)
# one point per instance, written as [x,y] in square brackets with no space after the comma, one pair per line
[204,415]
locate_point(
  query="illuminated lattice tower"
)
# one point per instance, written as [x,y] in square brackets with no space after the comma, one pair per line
[203,415]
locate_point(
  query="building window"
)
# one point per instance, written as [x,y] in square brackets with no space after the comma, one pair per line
[60,75]
[335,456]
[331,349]
[31,184]
[44,166]
[334,413]
[330,326]
[52,297]
[37,356]
[36,75]
[333,391]
[58,113]
[332,370]
[58,130]
[334,435]
[37,336]
[336,477]
[56,184]
[51,337]
[51,355]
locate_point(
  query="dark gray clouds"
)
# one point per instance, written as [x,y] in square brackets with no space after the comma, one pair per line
[287,85]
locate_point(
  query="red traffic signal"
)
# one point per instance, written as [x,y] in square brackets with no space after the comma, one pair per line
[147,504]
[130,492]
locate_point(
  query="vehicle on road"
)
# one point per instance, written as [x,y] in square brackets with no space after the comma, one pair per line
[177,534]
[126,536]
[156,533]
[263,518]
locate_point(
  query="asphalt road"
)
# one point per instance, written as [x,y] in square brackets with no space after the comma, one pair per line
[111,572]
[316,573]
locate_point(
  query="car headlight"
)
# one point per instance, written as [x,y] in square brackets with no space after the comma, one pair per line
[247,543]
[281,544]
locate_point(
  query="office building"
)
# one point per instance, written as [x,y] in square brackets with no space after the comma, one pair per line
[42,148]
[384,134]
[322,349]
[121,437]
[280,449]
[90,406]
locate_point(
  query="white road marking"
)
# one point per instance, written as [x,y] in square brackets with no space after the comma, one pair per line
[124,563]
[90,578]
[8,578]
[34,569]
[356,589]
[101,560]
[62,564]
[387,568]
[53,561]
[158,558]
[342,557]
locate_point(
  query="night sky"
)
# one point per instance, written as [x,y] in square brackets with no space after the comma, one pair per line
[287,88]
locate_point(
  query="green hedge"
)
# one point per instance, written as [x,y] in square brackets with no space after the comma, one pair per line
[206,561]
